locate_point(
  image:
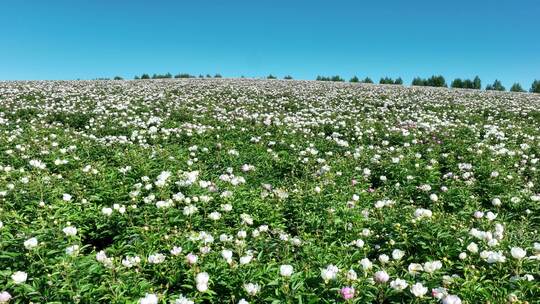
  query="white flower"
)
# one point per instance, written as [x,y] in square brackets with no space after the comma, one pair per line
[191,258]
[383,258]
[358,243]
[415,268]
[496,202]
[381,276]
[245,259]
[478,214]
[330,273]
[418,290]
[19,277]
[472,247]
[433,266]
[493,256]
[351,275]
[227,255]
[190,209]
[1,225]
[72,250]
[518,253]
[66,197]
[491,216]
[4,297]
[156,258]
[31,243]
[107,211]
[70,231]
[286,270]
[129,262]
[164,204]
[252,289]
[421,213]
[451,299]
[161,179]
[366,263]
[176,250]
[243,301]
[433,197]
[439,293]
[398,254]
[202,281]
[399,284]
[37,163]
[214,216]
[183,300]
[149,298]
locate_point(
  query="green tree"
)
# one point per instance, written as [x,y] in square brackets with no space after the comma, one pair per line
[288,77]
[270,77]
[496,86]
[417,81]
[398,81]
[145,76]
[477,83]
[457,83]
[535,87]
[367,80]
[118,78]
[516,87]
[468,84]
[436,81]
[386,80]
[354,79]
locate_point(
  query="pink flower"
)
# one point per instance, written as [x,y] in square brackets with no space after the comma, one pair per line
[353,182]
[347,293]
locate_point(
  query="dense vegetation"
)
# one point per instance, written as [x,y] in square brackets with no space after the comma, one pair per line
[267,191]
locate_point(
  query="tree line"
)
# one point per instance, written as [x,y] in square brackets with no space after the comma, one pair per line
[433,81]
[169,76]
[440,81]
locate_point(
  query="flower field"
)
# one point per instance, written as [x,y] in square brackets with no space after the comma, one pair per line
[267,191]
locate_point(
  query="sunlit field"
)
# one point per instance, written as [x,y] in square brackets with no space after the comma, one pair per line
[267,191]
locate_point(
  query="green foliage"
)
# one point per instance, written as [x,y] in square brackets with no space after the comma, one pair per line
[516,87]
[288,77]
[118,78]
[535,87]
[162,76]
[145,76]
[496,86]
[330,78]
[477,83]
[433,81]
[271,77]
[354,79]
[367,80]
[388,80]
[185,75]
[457,83]
[467,83]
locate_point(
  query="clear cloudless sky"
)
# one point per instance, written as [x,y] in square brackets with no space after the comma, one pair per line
[70,39]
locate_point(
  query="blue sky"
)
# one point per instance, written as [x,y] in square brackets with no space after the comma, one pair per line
[87,39]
